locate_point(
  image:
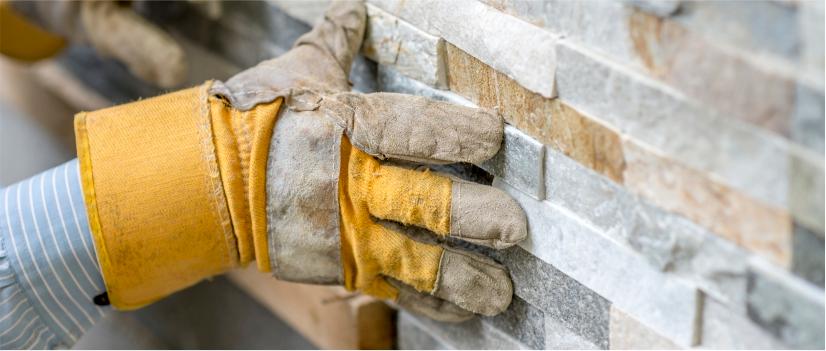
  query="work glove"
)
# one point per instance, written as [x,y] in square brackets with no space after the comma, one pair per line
[317,185]
[111,27]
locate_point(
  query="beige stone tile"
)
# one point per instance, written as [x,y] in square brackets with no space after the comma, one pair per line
[736,217]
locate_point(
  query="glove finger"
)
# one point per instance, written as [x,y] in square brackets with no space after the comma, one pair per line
[473,282]
[417,129]
[428,305]
[340,34]
[468,211]
[149,52]
[470,281]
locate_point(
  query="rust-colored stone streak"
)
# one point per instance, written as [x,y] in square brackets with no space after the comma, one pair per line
[548,120]
[726,212]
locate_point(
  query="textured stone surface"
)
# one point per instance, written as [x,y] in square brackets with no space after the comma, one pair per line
[724,328]
[587,141]
[628,333]
[520,163]
[522,321]
[787,307]
[481,84]
[517,49]
[807,255]
[667,242]
[472,334]
[412,52]
[749,161]
[573,305]
[742,220]
[581,252]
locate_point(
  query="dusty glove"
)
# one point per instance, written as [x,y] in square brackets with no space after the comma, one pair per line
[283,165]
[333,201]
[112,28]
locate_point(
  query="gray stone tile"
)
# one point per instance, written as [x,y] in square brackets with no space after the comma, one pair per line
[724,328]
[523,321]
[520,163]
[392,41]
[807,120]
[501,41]
[556,236]
[562,298]
[807,255]
[787,307]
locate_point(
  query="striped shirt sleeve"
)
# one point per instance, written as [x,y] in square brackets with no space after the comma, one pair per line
[48,268]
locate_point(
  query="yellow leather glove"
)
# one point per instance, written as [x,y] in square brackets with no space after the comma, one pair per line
[34,30]
[283,165]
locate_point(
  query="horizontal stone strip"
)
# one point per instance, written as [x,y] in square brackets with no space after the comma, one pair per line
[628,333]
[581,252]
[414,53]
[785,306]
[517,49]
[520,162]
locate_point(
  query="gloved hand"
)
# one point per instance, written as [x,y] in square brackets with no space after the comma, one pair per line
[308,176]
[338,211]
[113,29]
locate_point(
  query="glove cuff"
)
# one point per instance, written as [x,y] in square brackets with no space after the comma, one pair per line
[170,185]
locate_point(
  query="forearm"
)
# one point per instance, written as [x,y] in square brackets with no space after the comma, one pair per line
[48,268]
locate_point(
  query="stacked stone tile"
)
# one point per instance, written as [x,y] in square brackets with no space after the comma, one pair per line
[669,156]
